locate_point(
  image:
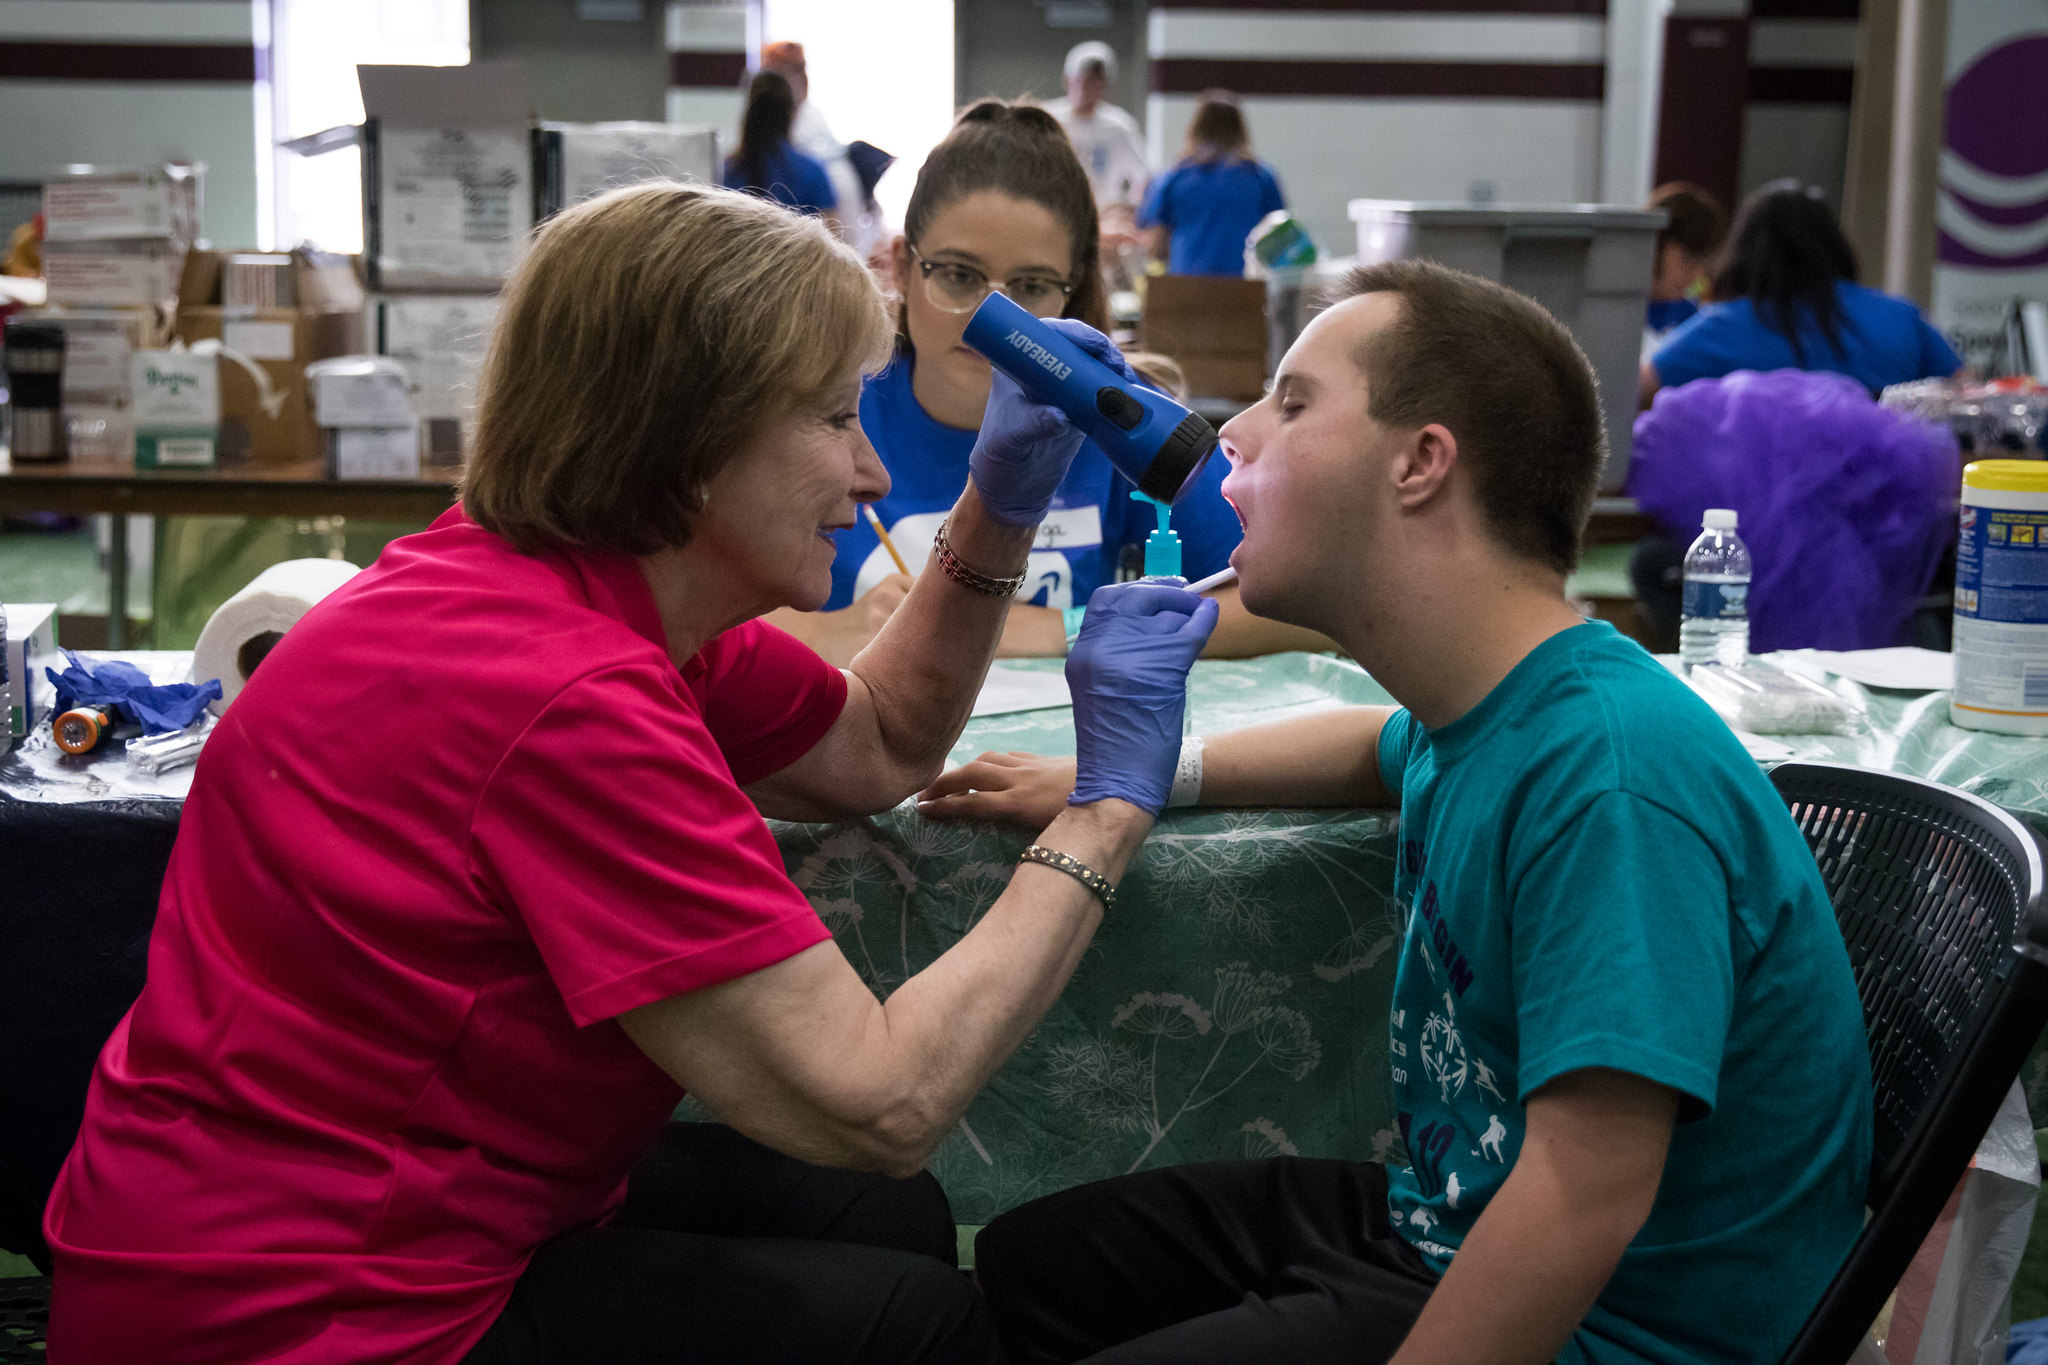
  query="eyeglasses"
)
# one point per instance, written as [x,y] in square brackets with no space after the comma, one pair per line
[954,288]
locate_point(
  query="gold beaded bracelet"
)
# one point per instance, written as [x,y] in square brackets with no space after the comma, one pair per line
[972,580]
[1075,868]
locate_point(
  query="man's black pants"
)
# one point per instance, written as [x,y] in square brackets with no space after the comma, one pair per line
[1284,1260]
[727,1251]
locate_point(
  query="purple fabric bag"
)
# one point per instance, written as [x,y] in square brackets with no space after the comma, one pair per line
[1845,506]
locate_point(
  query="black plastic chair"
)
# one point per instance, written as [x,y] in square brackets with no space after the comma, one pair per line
[1940,897]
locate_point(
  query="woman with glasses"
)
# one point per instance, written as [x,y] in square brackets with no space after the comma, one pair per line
[1002,203]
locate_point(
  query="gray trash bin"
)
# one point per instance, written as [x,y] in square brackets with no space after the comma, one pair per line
[1589,264]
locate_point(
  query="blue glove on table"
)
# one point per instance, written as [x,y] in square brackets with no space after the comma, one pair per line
[1025,446]
[1129,675]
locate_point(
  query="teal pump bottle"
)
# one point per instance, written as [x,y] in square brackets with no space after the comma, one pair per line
[1162,547]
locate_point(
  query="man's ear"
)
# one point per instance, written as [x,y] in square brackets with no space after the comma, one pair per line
[1423,467]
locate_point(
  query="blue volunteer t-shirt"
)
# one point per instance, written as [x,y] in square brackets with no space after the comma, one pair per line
[1597,875]
[794,180]
[1210,207]
[1080,543]
[1884,341]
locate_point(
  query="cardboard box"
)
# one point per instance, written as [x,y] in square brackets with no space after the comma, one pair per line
[177,409]
[31,646]
[101,427]
[447,174]
[96,346]
[374,452]
[90,203]
[1215,327]
[441,341]
[360,391]
[113,273]
[269,420]
[573,162]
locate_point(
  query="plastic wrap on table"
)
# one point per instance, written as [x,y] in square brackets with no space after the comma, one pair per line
[1846,505]
[1998,419]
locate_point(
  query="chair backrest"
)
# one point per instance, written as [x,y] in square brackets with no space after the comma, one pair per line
[1940,898]
[1214,327]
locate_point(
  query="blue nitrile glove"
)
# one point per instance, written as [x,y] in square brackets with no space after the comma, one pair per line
[1129,675]
[1025,446]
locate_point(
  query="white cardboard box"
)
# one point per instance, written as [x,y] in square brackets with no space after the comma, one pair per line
[97,343]
[176,404]
[124,273]
[374,452]
[441,340]
[31,645]
[100,202]
[447,174]
[578,161]
[360,391]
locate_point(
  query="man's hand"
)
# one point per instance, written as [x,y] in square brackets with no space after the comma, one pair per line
[1019,788]
[1582,1188]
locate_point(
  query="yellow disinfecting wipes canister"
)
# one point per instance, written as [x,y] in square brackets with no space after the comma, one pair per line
[2001,639]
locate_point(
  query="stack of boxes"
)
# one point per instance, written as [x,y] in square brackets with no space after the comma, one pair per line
[447,209]
[269,315]
[116,241]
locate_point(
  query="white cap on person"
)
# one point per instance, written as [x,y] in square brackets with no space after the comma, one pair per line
[1083,55]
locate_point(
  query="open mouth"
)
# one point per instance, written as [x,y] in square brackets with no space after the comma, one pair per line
[1235,508]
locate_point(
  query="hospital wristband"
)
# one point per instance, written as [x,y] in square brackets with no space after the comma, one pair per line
[1187,774]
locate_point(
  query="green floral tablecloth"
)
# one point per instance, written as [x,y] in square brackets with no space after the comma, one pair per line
[1236,1004]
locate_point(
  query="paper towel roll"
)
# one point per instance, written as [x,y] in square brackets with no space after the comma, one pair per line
[252,621]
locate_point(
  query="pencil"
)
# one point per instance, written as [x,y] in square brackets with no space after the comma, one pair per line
[883,536]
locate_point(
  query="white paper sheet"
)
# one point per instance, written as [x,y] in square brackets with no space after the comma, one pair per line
[1906,668]
[1014,689]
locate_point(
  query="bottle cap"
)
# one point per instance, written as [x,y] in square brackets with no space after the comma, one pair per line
[1719,519]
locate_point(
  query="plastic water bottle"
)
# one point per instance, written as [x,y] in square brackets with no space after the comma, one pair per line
[1714,621]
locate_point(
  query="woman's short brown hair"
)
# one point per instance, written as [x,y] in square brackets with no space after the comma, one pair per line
[647,337]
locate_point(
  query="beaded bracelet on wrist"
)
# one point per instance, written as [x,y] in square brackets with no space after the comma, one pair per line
[970,579]
[1075,868]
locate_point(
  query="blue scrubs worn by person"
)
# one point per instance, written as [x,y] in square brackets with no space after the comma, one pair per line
[1786,298]
[1203,209]
[1625,1050]
[768,164]
[1002,203]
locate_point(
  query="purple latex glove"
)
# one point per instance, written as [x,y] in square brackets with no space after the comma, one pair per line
[1025,446]
[1129,674]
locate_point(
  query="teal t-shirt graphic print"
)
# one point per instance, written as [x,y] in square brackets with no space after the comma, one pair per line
[1595,874]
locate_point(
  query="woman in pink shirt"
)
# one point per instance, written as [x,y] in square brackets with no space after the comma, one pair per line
[474,877]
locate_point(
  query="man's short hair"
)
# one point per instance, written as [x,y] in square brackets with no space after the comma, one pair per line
[1511,385]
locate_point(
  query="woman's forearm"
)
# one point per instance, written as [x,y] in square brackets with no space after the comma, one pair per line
[925,666]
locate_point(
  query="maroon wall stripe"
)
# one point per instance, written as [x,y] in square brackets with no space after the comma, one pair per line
[1594,7]
[1801,84]
[1379,80]
[129,62]
[1806,9]
[724,70]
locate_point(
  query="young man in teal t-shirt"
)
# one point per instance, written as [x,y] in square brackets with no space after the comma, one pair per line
[1626,1051]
